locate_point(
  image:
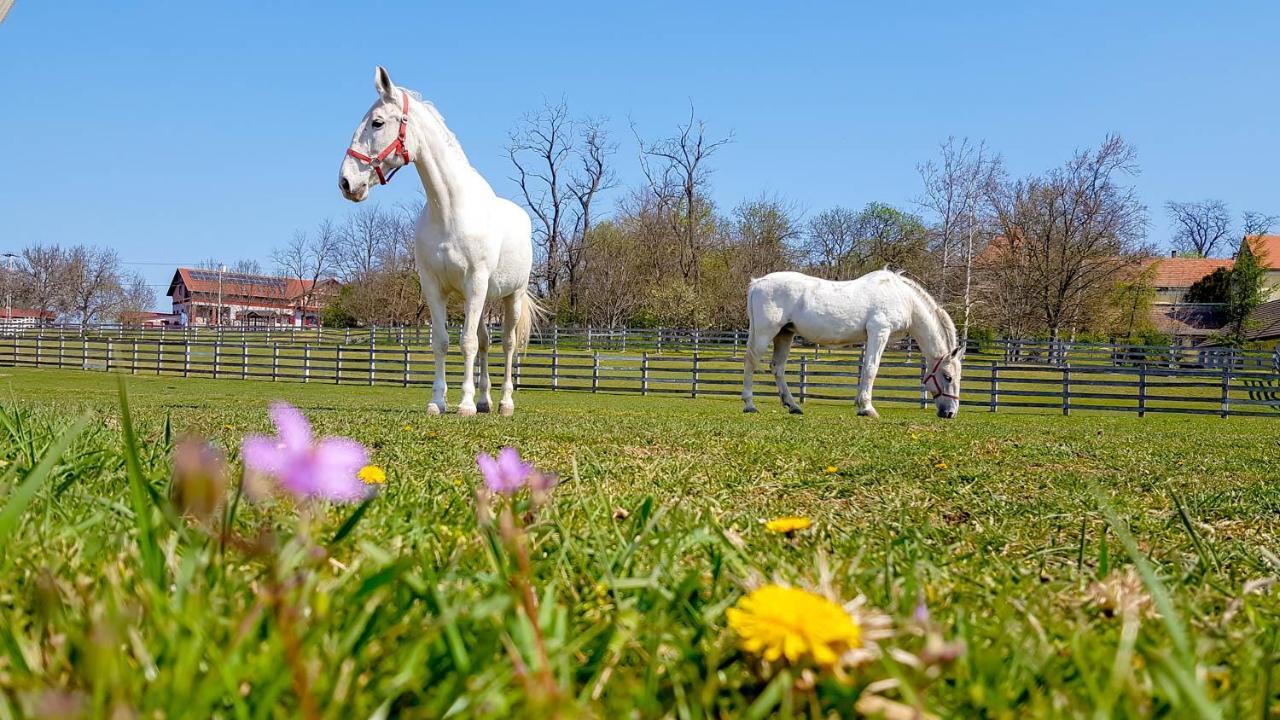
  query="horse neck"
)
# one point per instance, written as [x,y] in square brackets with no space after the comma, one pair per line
[928,330]
[447,178]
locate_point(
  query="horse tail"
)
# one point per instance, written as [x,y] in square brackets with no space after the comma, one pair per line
[532,316]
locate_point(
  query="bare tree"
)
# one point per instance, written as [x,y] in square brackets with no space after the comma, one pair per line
[245,266]
[676,172]
[954,187]
[593,177]
[1069,235]
[539,150]
[1199,227]
[42,277]
[309,258]
[830,240]
[92,283]
[136,296]
[1256,223]
[765,234]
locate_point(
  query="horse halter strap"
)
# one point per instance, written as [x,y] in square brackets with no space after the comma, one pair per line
[396,147]
[932,377]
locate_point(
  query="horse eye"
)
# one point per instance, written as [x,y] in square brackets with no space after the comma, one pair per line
[947,377]
[377,123]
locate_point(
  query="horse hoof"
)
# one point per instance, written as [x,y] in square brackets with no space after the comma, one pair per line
[868,412]
[507,409]
[795,411]
[750,410]
[466,410]
[482,407]
[434,409]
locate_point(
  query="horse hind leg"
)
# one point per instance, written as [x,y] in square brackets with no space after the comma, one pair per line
[483,403]
[781,349]
[757,345]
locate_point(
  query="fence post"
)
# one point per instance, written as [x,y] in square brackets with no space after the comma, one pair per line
[924,391]
[1226,389]
[133,358]
[186,357]
[995,385]
[644,373]
[804,377]
[373,360]
[694,385]
[595,369]
[405,365]
[337,362]
[1066,390]
[108,366]
[306,362]
[275,361]
[244,357]
[217,353]
[1142,389]
[555,360]
[37,362]
[62,342]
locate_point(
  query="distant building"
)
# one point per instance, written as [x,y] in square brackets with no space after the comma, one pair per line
[17,318]
[149,319]
[211,297]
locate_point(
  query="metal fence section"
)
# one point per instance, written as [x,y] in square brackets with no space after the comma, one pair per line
[1150,384]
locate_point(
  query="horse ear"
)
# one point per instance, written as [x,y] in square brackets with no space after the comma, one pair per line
[957,352]
[382,81]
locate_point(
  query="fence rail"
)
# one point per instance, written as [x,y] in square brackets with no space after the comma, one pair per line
[989,383]
[677,340]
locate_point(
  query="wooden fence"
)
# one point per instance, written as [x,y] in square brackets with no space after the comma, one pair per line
[989,383]
[678,340]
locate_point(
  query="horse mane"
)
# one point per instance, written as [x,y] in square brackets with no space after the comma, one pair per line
[450,139]
[939,314]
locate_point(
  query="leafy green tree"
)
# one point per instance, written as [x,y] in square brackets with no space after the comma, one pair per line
[1212,288]
[1244,294]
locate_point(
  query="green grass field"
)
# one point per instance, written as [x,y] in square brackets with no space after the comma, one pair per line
[1001,523]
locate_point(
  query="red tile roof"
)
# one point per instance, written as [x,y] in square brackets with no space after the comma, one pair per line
[1184,272]
[263,290]
[1267,250]
[27,313]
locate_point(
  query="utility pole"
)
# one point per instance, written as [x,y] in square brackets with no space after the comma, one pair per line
[8,291]
[222,268]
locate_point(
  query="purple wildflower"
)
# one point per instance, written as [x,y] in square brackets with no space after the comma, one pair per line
[921,614]
[506,474]
[325,469]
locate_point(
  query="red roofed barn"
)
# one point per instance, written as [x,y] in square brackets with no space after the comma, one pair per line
[212,297]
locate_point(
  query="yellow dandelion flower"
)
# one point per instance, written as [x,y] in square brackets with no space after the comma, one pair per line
[229,428]
[776,622]
[787,525]
[832,469]
[372,475]
[408,428]
[940,466]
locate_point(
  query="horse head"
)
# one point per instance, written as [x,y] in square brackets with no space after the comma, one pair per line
[379,147]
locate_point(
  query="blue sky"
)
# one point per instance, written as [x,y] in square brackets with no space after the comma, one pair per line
[179,131]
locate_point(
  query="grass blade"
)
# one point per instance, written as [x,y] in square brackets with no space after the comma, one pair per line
[140,495]
[25,492]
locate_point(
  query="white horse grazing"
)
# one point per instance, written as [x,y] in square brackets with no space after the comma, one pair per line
[470,243]
[876,307]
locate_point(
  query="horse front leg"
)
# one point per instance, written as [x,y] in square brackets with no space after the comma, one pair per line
[757,344]
[439,345]
[483,404]
[473,311]
[877,341]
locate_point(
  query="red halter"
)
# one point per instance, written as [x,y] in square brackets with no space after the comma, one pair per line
[396,147]
[932,377]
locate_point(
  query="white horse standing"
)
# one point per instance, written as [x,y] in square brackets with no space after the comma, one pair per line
[876,307]
[470,243]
